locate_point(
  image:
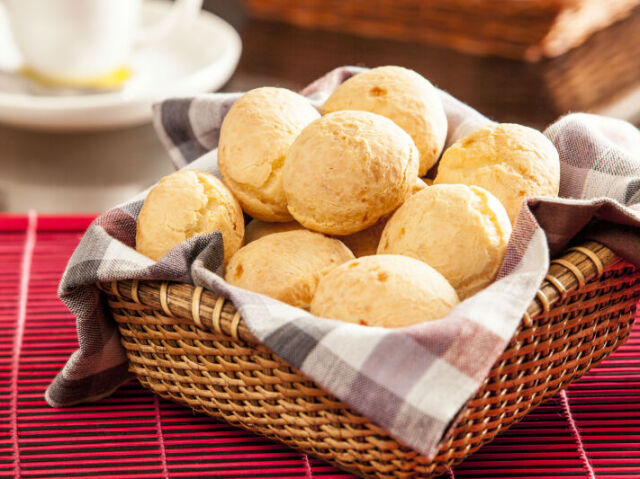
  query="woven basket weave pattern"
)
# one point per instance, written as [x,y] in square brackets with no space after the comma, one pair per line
[190,346]
[528,29]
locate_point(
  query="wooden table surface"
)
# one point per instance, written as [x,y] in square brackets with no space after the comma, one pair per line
[89,172]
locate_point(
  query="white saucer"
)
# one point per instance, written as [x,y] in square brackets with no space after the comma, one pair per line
[198,59]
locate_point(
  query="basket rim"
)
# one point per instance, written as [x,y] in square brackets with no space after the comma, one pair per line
[575,267]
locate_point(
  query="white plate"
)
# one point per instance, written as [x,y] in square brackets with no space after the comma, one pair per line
[197,59]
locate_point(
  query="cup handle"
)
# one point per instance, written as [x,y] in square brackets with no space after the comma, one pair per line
[182,13]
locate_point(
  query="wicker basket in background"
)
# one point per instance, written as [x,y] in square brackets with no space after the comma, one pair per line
[523,29]
[191,346]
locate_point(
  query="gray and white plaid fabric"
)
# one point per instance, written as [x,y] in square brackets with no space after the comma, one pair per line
[409,381]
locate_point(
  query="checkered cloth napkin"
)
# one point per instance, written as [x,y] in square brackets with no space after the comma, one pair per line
[410,381]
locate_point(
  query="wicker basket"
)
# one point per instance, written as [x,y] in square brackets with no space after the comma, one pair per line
[529,29]
[190,346]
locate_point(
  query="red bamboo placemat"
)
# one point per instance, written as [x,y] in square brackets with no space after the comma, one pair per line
[591,431]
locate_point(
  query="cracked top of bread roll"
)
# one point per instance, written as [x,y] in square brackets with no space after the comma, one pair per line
[286,266]
[403,96]
[461,231]
[348,169]
[254,138]
[511,161]
[184,204]
[390,291]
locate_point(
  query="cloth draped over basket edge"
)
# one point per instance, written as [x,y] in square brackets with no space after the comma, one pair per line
[413,395]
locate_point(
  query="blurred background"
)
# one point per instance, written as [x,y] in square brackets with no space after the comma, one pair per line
[515,61]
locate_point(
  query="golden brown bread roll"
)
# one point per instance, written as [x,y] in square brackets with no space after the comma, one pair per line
[403,96]
[348,169]
[511,161]
[286,266]
[390,291]
[184,204]
[254,138]
[461,231]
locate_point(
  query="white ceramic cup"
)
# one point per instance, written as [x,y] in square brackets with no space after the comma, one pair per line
[80,40]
